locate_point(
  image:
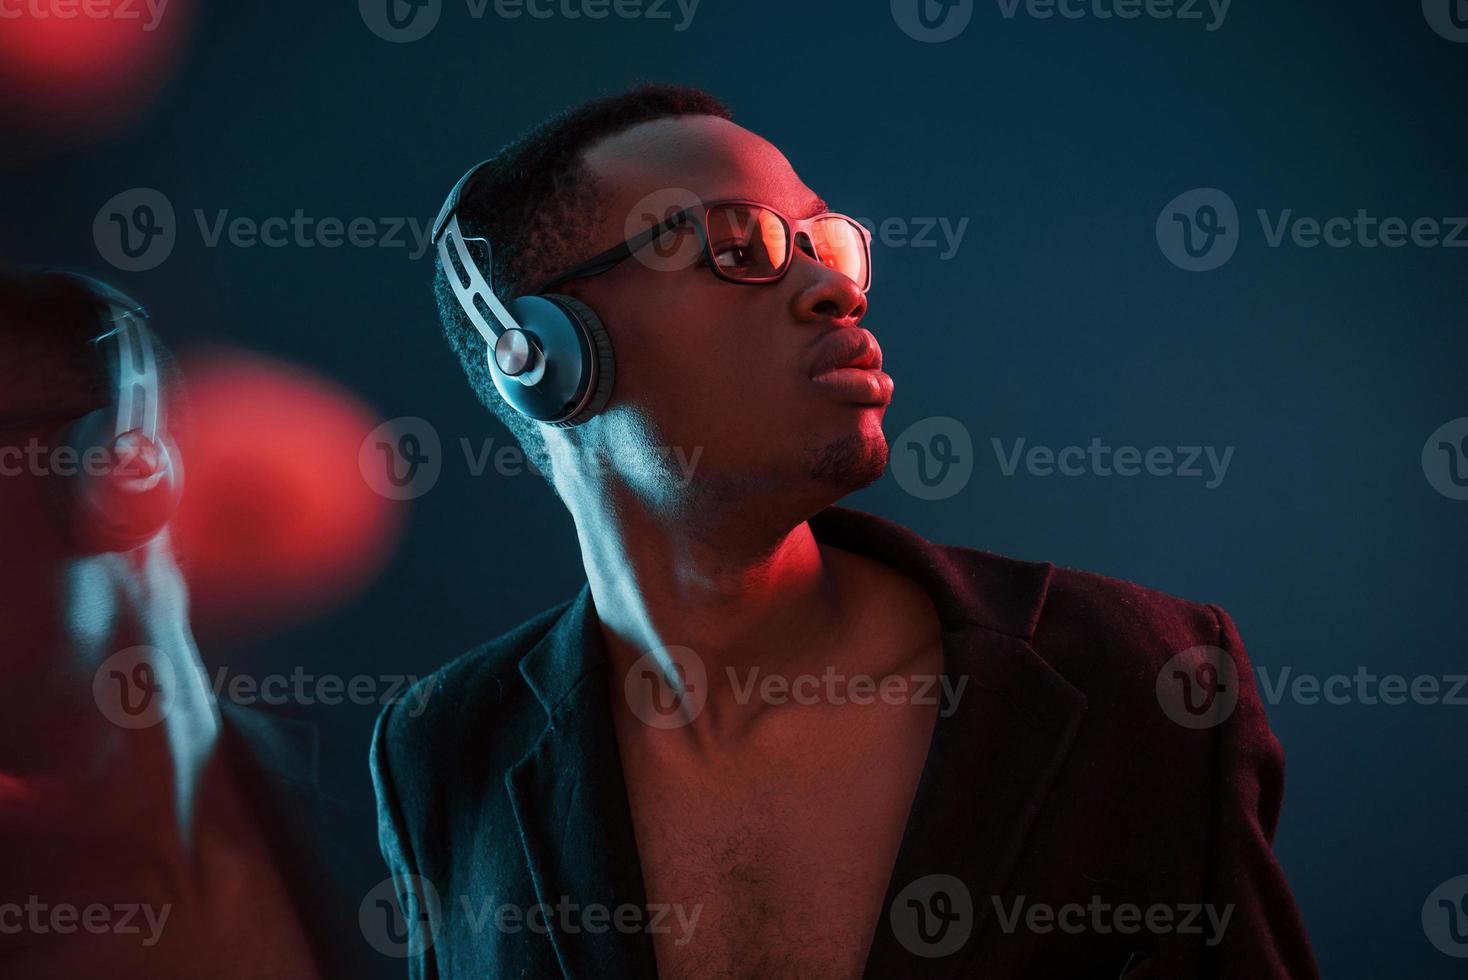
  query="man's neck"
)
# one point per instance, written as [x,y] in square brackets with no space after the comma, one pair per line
[105,604]
[740,590]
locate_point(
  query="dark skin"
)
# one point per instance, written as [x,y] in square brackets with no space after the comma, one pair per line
[778,823]
[91,811]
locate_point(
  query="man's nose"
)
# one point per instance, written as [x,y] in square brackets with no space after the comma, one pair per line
[824,294]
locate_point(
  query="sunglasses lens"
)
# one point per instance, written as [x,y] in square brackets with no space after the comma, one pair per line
[748,243]
[840,245]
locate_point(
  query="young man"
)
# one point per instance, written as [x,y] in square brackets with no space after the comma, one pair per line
[684,771]
[144,830]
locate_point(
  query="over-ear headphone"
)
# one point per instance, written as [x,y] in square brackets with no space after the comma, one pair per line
[129,477]
[549,355]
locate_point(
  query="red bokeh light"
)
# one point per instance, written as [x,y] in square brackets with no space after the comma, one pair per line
[85,66]
[276,520]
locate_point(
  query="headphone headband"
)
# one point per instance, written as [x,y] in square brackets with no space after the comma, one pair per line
[130,502]
[132,362]
[549,355]
[471,287]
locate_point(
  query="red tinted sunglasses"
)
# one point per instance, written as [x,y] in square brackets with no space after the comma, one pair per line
[749,243]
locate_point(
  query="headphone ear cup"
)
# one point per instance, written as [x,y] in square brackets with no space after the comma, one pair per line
[125,489]
[601,348]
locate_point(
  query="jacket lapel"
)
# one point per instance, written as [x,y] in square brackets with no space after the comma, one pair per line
[570,801]
[991,761]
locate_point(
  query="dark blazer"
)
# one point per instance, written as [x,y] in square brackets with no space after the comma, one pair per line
[1060,782]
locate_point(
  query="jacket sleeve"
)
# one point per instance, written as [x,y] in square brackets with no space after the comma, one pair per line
[415,896]
[1265,936]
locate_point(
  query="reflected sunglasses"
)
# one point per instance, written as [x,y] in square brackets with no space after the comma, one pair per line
[749,243]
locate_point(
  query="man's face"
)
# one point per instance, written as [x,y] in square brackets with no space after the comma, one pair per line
[722,369]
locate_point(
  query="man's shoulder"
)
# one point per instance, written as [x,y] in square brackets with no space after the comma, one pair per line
[466,699]
[1072,618]
[1083,616]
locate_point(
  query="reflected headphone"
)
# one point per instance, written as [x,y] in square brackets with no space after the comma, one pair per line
[136,492]
[549,355]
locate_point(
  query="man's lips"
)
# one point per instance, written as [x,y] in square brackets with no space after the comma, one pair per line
[846,347]
[847,364]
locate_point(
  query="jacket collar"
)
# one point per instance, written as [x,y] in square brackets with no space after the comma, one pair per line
[989,765]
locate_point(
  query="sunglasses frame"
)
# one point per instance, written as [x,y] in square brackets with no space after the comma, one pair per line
[609,259]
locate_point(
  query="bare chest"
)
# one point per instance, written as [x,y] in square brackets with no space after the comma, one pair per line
[780,869]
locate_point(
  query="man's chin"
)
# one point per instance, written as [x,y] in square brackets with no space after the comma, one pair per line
[850,462]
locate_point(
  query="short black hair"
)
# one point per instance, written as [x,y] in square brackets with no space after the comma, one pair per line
[48,368]
[536,203]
